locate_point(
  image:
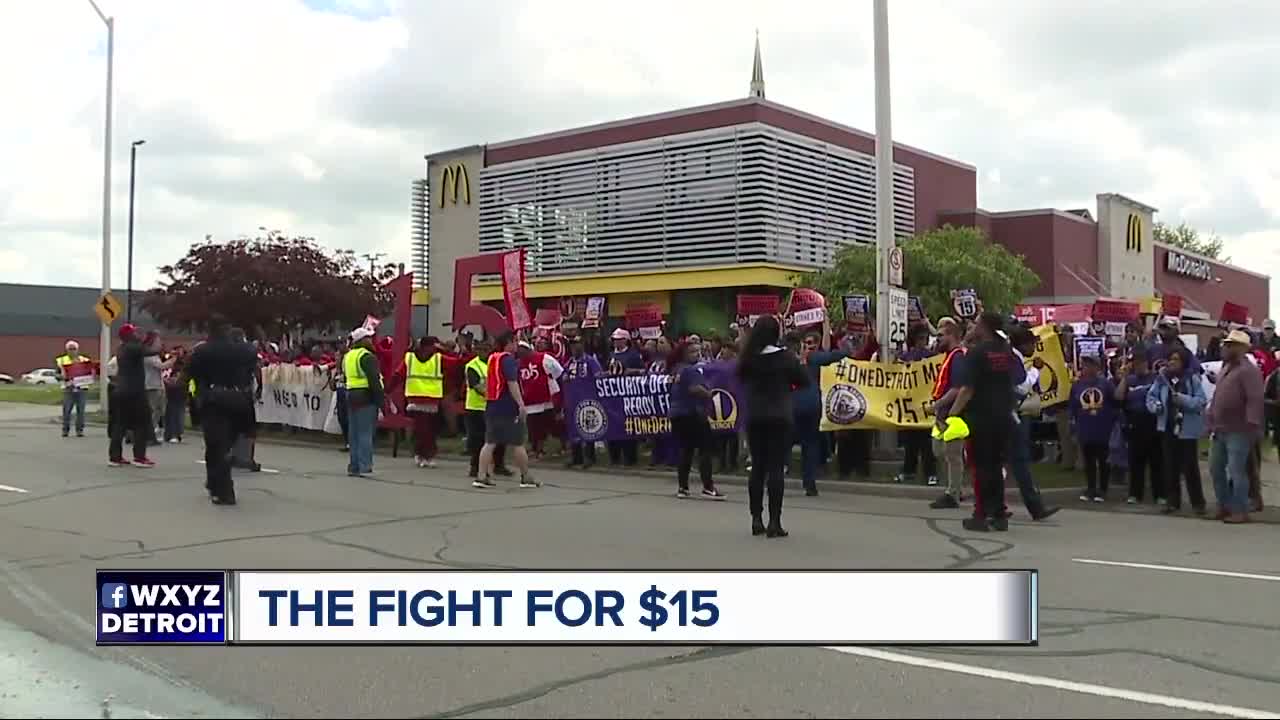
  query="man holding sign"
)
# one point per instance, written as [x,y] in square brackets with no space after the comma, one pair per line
[77,376]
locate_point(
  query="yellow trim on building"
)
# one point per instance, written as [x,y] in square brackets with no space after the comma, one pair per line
[421,296]
[648,281]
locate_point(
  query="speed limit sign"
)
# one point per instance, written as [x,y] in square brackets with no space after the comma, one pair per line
[898,304]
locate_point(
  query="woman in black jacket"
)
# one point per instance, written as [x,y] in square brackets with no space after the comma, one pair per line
[768,374]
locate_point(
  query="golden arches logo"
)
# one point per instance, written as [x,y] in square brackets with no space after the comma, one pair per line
[451,178]
[1133,233]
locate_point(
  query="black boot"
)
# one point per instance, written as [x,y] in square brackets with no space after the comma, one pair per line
[775,528]
[757,525]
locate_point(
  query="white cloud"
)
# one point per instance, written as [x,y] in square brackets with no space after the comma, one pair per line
[312,117]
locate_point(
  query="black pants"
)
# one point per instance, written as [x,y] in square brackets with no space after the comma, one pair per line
[624,452]
[130,413]
[918,446]
[1182,462]
[769,442]
[694,434]
[727,445]
[473,421]
[584,453]
[853,452]
[1097,471]
[223,426]
[1146,458]
[987,447]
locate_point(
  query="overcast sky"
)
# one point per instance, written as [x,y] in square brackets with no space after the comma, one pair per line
[312,116]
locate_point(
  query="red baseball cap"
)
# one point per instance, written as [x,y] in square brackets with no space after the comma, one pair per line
[127,331]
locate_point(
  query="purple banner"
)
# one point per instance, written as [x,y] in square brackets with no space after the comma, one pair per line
[627,407]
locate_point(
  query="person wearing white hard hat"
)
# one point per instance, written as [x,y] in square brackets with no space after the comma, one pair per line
[73,388]
[364,398]
[624,360]
[1236,421]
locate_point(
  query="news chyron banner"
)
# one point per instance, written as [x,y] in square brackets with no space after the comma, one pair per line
[606,607]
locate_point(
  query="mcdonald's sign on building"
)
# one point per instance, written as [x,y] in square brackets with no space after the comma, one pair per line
[1133,233]
[454,179]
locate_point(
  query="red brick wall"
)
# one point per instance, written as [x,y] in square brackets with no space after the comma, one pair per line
[1208,295]
[23,353]
[1075,246]
[1030,236]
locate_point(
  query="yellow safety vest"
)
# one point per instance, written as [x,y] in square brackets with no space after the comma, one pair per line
[191,388]
[356,379]
[423,379]
[65,360]
[476,400]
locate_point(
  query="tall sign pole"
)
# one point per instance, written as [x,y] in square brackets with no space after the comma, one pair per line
[884,177]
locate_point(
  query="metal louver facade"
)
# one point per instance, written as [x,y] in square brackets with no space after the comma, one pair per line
[748,193]
[420,229]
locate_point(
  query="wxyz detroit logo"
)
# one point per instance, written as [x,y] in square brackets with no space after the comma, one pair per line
[655,425]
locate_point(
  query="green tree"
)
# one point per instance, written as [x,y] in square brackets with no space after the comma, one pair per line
[1187,238]
[937,262]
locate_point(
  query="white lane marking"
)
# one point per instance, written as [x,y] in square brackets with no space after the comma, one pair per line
[1056,684]
[10,488]
[269,471]
[1175,568]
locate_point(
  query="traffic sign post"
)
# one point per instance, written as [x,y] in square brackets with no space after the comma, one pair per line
[107,308]
[898,317]
[895,266]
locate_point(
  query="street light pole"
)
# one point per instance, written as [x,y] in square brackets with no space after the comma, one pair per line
[133,171]
[885,230]
[104,345]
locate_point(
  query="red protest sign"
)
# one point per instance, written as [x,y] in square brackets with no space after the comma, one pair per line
[641,316]
[758,304]
[1233,313]
[1122,311]
[1171,305]
[547,317]
[805,299]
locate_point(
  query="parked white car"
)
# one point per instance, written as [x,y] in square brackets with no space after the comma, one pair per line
[6,379]
[43,376]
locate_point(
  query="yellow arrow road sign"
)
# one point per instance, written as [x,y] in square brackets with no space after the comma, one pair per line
[107,308]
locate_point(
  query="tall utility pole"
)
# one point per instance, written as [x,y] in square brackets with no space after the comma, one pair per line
[104,345]
[133,172]
[885,231]
[373,259]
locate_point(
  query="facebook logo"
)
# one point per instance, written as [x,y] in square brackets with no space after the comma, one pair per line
[115,595]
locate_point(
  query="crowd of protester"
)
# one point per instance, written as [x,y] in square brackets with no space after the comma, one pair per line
[1138,413]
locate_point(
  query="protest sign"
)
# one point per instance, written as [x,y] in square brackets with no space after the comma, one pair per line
[966,304]
[298,396]
[1089,345]
[627,407]
[874,395]
[1055,377]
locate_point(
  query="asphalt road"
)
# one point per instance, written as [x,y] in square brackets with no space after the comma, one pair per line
[1117,640]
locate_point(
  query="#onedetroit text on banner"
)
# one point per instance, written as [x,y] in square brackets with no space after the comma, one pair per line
[592,607]
[624,407]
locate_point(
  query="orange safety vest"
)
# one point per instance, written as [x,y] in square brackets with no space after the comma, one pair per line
[943,380]
[496,382]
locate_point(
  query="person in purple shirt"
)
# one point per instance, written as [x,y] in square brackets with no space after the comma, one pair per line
[917,443]
[1145,452]
[624,360]
[1093,415]
[1158,352]
[581,366]
[690,395]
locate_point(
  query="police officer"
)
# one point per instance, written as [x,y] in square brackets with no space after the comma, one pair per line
[223,371]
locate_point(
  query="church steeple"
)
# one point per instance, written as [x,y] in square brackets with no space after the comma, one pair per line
[757,73]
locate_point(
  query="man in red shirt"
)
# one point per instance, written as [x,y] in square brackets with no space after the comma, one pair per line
[539,372]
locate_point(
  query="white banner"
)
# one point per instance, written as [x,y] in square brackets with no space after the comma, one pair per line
[299,396]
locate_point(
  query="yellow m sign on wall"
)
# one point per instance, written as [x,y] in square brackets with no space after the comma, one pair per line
[1133,234]
[452,179]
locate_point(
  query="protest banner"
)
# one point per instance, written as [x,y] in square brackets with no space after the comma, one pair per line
[915,312]
[857,316]
[593,313]
[1119,311]
[513,290]
[81,374]
[881,396]
[805,307]
[299,396]
[1055,377]
[1171,305]
[1089,345]
[628,407]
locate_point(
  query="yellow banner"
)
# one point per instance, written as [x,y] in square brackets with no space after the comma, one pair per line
[879,396]
[1055,377]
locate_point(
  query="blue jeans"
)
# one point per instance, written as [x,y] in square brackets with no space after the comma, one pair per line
[342,412]
[1020,467]
[72,399]
[1229,465]
[361,424]
[806,432]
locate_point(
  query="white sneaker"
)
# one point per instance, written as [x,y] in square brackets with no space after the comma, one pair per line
[1099,499]
[477,483]
[1084,498]
[1132,500]
[528,482]
[429,463]
[419,461]
[173,441]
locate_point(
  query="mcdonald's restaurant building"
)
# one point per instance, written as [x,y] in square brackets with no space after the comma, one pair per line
[685,210]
